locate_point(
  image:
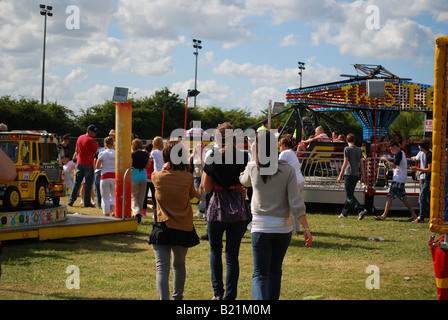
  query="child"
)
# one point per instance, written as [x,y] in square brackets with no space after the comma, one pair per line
[67,173]
[106,161]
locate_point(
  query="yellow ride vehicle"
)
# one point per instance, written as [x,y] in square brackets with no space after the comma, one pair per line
[38,159]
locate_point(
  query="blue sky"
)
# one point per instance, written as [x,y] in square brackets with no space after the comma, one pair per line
[250,47]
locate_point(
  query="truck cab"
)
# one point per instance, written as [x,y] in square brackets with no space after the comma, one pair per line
[38,160]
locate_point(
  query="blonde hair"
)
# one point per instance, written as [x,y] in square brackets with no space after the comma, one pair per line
[158,143]
[109,142]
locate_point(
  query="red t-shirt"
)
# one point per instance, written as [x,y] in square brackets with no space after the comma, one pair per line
[86,147]
[322,137]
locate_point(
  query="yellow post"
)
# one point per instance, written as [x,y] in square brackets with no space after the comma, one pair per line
[440,121]
[123,134]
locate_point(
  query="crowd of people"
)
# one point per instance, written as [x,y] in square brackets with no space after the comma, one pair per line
[275,210]
[90,171]
[274,213]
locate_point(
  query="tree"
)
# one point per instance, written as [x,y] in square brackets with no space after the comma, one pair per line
[409,124]
[29,114]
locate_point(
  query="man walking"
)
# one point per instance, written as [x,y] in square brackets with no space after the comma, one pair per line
[86,147]
[397,187]
[353,164]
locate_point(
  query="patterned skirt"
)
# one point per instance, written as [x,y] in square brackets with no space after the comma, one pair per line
[228,205]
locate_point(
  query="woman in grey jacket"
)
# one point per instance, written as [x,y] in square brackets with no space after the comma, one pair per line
[274,197]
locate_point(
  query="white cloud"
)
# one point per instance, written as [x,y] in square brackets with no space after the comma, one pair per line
[398,37]
[260,98]
[76,75]
[289,40]
[160,19]
[130,41]
[257,74]
[343,24]
[212,93]
[95,95]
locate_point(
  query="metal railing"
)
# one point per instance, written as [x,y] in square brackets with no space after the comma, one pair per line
[123,215]
[321,173]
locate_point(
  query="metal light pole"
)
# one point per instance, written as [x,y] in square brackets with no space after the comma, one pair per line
[197,45]
[301,68]
[44,11]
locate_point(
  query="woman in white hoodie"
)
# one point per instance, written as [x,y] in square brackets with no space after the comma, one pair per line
[106,161]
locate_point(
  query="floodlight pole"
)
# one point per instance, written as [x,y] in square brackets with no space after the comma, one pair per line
[301,68]
[197,45]
[45,11]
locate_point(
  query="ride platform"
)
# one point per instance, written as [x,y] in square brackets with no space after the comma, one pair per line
[55,223]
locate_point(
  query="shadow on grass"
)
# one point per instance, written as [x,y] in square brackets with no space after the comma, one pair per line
[353,242]
[61,249]
[56,296]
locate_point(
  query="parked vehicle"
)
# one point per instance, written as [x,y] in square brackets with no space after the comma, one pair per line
[38,160]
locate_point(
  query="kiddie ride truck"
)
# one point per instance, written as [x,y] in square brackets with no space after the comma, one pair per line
[37,158]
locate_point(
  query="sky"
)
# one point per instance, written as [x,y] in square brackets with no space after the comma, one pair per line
[250,48]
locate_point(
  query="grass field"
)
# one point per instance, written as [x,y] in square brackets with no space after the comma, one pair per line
[122,266]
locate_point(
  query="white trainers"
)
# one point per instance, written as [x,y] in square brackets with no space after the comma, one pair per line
[362,214]
[199,215]
[342,216]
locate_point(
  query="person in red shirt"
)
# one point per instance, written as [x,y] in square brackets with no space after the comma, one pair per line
[86,147]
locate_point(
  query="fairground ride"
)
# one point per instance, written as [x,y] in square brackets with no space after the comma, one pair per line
[375,97]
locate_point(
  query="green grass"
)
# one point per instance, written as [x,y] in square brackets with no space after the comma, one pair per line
[122,266]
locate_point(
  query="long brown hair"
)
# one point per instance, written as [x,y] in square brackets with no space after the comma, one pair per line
[181,154]
[224,129]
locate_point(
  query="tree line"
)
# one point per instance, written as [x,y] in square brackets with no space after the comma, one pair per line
[148,114]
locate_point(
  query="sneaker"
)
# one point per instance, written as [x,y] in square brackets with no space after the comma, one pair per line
[199,215]
[204,237]
[362,214]
[419,220]
[81,203]
[70,203]
[89,205]
[342,216]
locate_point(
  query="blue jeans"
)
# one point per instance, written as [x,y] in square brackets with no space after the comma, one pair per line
[350,199]
[87,172]
[234,234]
[268,250]
[97,179]
[423,199]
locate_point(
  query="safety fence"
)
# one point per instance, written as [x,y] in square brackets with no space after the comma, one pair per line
[322,171]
